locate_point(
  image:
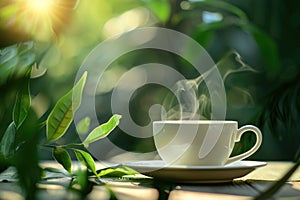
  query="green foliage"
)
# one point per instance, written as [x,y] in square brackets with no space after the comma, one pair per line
[8,141]
[61,116]
[86,159]
[81,183]
[21,138]
[117,171]
[26,158]
[57,171]
[281,113]
[267,47]
[15,61]
[22,105]
[220,6]
[102,130]
[161,8]
[59,120]
[237,17]
[63,158]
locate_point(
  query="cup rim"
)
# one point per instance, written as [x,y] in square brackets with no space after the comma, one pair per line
[195,122]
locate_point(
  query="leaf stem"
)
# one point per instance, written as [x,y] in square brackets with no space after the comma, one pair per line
[66,146]
[49,145]
[69,146]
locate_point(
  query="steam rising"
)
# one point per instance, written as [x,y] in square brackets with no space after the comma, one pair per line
[191,99]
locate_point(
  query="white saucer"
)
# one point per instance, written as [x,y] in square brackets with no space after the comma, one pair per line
[194,174]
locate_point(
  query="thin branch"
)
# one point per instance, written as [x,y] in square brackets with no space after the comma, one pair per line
[278,185]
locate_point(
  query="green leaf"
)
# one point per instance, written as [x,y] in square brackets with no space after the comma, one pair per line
[117,171]
[56,170]
[21,106]
[203,37]
[26,158]
[63,158]
[102,130]
[8,141]
[8,60]
[61,116]
[15,60]
[160,8]
[8,53]
[86,159]
[83,126]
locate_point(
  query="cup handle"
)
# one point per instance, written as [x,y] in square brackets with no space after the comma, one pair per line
[251,151]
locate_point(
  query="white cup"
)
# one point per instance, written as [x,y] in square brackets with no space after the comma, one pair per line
[201,142]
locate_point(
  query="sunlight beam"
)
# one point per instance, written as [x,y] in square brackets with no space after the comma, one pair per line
[40,5]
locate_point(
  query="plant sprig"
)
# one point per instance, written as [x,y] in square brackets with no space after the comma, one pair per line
[57,124]
[59,121]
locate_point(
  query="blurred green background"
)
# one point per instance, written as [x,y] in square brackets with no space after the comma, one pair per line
[264,33]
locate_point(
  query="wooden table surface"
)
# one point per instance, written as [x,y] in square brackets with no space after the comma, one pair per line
[246,187]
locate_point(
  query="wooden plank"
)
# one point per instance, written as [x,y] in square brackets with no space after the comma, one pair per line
[290,189]
[242,188]
[234,190]
[272,172]
[183,195]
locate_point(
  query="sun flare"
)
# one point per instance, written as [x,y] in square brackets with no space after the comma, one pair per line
[40,6]
[38,19]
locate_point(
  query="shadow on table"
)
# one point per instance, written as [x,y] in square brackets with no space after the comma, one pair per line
[249,188]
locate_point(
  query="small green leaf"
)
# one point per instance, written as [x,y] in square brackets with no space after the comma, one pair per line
[21,106]
[86,159]
[117,171]
[83,126]
[63,158]
[8,141]
[61,116]
[102,130]
[56,170]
